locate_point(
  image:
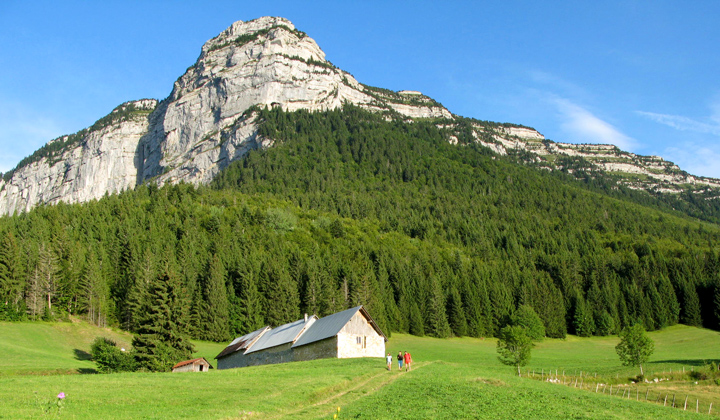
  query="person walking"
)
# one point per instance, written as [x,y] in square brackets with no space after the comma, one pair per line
[389,361]
[400,360]
[408,361]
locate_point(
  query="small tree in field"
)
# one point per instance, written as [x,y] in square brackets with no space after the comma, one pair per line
[635,346]
[513,346]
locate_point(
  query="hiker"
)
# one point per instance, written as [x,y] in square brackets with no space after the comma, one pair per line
[389,361]
[400,360]
[408,361]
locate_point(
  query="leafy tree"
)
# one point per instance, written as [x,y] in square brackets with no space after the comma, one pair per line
[635,347]
[514,346]
[525,316]
[109,358]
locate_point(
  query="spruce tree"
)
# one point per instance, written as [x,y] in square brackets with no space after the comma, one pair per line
[12,282]
[160,343]
[690,314]
[215,317]
[437,321]
[458,322]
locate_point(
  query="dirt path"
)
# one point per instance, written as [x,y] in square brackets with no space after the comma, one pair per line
[347,395]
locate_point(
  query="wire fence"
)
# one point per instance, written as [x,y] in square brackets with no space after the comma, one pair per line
[649,391]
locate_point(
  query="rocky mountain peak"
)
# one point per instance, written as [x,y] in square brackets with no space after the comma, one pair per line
[204,124]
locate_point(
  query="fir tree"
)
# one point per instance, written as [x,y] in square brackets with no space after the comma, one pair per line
[160,343]
[215,317]
[458,322]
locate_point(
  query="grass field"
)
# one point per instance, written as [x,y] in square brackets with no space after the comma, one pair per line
[451,379]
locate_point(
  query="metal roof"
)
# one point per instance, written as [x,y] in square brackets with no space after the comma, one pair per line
[242,343]
[189,362]
[326,327]
[282,335]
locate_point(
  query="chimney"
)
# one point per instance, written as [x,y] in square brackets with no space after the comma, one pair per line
[305,317]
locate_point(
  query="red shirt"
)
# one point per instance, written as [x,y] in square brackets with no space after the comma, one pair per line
[407,357]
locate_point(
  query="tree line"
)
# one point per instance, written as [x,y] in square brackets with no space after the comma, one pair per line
[347,209]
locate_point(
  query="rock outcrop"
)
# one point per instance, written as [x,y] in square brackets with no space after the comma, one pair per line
[208,121]
[203,125]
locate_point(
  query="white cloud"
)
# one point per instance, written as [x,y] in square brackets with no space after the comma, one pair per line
[582,126]
[708,125]
[681,123]
[696,158]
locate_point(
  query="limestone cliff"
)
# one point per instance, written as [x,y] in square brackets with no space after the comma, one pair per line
[207,122]
[203,125]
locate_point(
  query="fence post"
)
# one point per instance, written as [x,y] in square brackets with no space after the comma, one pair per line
[665,402]
[710,409]
[596,387]
[646,394]
[685,406]
[673,403]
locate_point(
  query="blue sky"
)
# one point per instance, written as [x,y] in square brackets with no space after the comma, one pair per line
[639,74]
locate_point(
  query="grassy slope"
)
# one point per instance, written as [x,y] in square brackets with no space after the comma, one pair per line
[455,378]
[47,348]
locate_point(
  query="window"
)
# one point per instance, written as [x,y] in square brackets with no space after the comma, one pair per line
[364,342]
[359,340]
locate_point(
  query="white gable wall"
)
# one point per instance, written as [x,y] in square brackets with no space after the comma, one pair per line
[359,339]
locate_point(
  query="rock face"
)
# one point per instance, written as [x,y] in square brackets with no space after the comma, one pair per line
[202,126]
[205,123]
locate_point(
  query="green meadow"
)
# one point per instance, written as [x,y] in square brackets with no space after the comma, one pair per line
[451,379]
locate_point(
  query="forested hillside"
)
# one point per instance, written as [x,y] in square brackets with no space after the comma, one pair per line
[349,208]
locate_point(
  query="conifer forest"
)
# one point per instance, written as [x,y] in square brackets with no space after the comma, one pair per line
[348,208]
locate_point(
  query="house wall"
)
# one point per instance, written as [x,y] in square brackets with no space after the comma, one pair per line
[233,360]
[322,349]
[278,354]
[194,367]
[358,326]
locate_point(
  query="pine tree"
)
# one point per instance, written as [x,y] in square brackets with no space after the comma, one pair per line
[690,314]
[283,300]
[437,321]
[417,325]
[583,319]
[159,343]
[458,322]
[215,317]
[12,281]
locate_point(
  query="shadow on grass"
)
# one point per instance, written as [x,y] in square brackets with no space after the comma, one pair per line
[87,371]
[82,355]
[687,362]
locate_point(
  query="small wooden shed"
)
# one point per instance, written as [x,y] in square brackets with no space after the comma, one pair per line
[194,365]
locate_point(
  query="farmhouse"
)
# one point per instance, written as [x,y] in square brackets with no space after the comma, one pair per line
[194,365]
[350,333]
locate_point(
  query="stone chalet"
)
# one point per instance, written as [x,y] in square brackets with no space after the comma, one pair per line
[350,333]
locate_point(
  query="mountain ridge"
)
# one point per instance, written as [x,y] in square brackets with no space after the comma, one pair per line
[208,121]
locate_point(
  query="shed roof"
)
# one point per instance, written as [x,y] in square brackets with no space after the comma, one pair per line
[190,362]
[282,335]
[331,325]
[242,343]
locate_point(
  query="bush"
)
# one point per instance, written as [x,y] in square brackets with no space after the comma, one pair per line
[109,358]
[698,376]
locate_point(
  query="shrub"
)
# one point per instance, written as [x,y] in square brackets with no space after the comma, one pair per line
[109,358]
[698,376]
